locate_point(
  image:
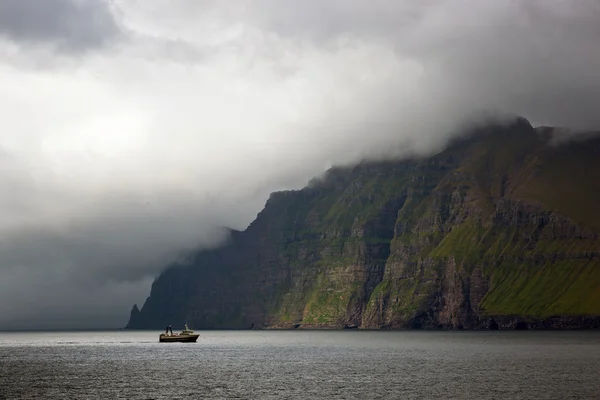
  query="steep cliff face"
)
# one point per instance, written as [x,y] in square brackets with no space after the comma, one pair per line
[498,231]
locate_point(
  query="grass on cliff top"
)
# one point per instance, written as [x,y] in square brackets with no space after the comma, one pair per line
[372,189]
[470,243]
[563,287]
[461,242]
[567,180]
[568,287]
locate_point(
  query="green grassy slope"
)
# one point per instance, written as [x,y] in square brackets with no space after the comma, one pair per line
[527,222]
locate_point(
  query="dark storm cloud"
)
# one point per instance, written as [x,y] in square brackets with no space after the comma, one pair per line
[71,25]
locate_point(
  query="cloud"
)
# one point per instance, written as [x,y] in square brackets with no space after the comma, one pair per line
[538,58]
[70,25]
[188,113]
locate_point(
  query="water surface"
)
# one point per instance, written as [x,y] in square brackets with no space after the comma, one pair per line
[301,364]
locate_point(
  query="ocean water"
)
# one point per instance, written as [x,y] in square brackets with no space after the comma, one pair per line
[301,365]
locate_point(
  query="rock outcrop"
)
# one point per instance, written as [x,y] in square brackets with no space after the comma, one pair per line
[499,231]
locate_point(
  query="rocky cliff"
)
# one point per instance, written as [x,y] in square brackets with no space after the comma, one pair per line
[500,230]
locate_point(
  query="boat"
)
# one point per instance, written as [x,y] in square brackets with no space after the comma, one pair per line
[186,335]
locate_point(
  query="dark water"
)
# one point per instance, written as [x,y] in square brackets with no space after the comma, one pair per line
[306,364]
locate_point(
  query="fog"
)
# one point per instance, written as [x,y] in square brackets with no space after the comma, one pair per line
[133,130]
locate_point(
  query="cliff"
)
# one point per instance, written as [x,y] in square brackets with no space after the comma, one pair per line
[500,230]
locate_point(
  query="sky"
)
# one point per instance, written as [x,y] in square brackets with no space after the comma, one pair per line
[135,130]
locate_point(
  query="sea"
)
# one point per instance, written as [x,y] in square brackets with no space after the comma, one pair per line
[296,364]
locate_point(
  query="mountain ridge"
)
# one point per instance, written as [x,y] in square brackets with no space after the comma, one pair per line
[476,236]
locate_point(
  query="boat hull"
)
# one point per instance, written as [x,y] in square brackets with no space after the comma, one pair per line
[178,338]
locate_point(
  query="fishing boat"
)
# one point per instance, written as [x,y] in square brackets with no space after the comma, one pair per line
[186,335]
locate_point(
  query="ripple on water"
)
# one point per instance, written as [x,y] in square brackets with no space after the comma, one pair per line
[305,364]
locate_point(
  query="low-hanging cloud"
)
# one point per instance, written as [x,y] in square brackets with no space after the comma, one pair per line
[188,113]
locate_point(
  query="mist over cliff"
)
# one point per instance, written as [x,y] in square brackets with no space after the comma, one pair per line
[133,131]
[499,230]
